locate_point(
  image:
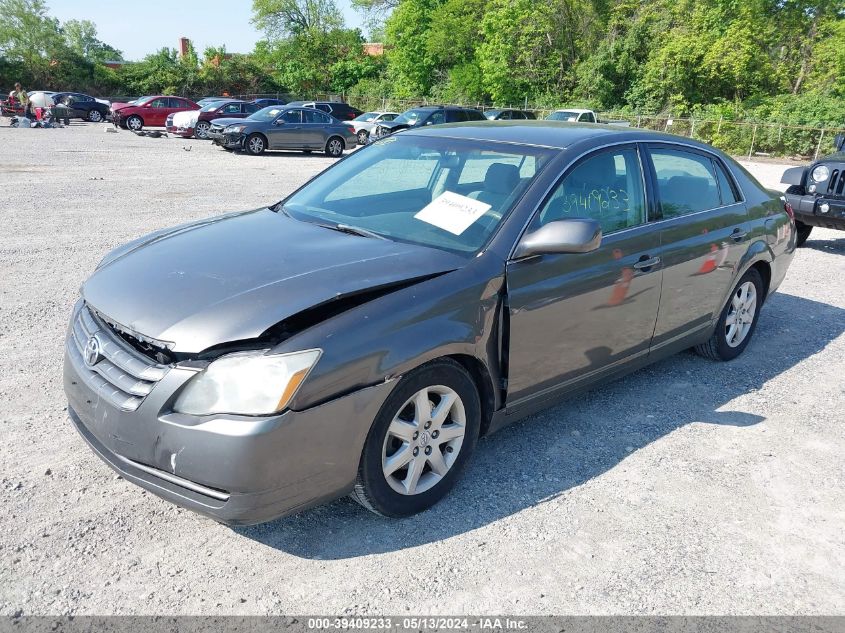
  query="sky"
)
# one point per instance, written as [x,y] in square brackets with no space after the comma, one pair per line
[153,24]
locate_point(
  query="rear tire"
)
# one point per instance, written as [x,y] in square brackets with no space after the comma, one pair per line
[738,320]
[363,135]
[420,441]
[804,231]
[334,147]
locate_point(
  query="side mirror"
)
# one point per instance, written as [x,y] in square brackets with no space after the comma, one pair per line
[278,122]
[578,235]
[793,176]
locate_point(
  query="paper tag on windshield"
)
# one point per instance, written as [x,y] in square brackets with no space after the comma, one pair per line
[452,212]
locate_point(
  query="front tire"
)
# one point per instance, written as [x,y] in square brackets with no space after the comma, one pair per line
[804,231]
[738,320]
[94,116]
[420,441]
[255,144]
[135,123]
[334,147]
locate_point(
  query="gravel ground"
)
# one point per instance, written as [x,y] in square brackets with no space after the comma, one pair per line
[690,487]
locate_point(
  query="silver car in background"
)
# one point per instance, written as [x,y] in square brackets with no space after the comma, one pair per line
[368,121]
[284,127]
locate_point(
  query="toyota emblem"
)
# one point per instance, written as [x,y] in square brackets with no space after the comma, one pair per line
[92,351]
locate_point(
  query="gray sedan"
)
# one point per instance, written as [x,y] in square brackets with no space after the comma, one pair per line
[359,336]
[283,127]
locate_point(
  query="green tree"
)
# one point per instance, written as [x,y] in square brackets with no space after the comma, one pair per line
[280,18]
[81,37]
[29,35]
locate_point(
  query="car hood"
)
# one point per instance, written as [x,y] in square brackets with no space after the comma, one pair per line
[224,121]
[234,277]
[186,118]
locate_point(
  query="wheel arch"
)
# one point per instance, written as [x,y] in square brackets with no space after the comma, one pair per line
[262,135]
[483,382]
[765,269]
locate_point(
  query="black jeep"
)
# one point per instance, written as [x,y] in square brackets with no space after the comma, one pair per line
[817,192]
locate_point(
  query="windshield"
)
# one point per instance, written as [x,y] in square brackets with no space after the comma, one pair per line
[411,116]
[563,116]
[367,116]
[266,114]
[441,192]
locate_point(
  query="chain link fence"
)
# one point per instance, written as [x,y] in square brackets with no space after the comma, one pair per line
[739,138]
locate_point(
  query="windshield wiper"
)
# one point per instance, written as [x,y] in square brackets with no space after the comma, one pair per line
[353,230]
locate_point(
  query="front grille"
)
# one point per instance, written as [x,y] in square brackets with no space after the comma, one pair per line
[836,184]
[121,376]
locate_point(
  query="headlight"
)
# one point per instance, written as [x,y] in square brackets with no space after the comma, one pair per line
[821,173]
[247,383]
[235,129]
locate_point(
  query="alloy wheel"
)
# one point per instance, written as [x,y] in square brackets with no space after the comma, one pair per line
[94,116]
[362,137]
[423,440]
[256,145]
[741,314]
[335,147]
[134,123]
[201,130]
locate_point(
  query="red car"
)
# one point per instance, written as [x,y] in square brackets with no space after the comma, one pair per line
[201,123]
[149,111]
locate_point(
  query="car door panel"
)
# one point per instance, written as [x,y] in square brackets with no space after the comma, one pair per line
[573,317]
[700,249]
[314,134]
[286,135]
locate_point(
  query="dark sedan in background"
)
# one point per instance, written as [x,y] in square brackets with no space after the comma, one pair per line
[82,106]
[284,127]
[509,115]
[338,109]
[360,335]
[228,109]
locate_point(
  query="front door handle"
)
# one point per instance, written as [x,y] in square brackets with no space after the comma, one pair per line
[646,262]
[738,234]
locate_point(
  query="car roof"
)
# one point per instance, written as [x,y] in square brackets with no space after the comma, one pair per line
[544,133]
[578,110]
[443,107]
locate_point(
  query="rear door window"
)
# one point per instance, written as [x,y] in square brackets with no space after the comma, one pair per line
[317,117]
[727,191]
[686,182]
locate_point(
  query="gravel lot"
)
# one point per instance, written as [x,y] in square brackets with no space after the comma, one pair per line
[690,487]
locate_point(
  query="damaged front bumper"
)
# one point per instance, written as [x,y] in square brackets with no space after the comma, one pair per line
[239,470]
[228,140]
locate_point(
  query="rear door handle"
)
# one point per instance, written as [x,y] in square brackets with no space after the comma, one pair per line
[738,235]
[646,262]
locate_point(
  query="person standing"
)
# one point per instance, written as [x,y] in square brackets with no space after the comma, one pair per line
[23,99]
